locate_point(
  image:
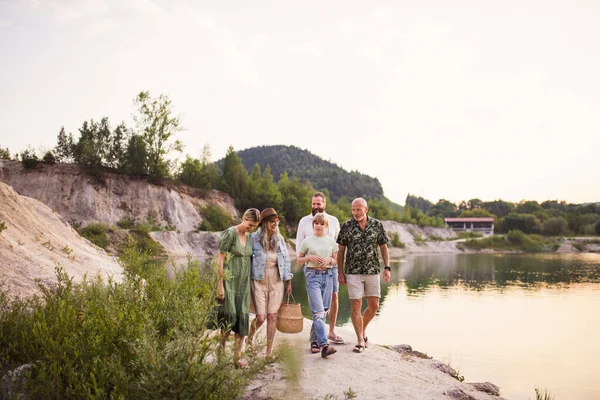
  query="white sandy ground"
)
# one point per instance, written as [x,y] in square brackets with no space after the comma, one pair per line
[377,373]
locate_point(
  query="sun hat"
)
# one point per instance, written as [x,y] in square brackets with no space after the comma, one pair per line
[267,213]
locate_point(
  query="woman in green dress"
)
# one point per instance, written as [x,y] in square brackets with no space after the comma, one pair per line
[235,251]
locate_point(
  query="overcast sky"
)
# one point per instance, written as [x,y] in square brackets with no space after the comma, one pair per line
[441,99]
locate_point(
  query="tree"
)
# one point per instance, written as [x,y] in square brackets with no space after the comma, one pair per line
[235,178]
[136,157]
[64,146]
[157,126]
[527,223]
[499,208]
[476,213]
[555,226]
[87,151]
[115,157]
[474,204]
[598,227]
[4,153]
[443,209]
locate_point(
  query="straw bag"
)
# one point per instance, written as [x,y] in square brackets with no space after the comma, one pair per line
[289,317]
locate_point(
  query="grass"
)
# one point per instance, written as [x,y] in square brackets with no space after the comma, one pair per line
[143,338]
[543,394]
[97,233]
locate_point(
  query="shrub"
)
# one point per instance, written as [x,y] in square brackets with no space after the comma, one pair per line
[395,240]
[598,227]
[49,158]
[2,226]
[215,218]
[556,226]
[126,223]
[29,159]
[97,234]
[4,153]
[517,237]
[143,338]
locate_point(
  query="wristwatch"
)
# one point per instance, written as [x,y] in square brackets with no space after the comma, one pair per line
[388,268]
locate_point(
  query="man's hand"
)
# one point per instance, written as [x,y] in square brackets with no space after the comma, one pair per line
[387,275]
[341,278]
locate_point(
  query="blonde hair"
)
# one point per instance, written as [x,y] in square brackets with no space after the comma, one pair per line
[320,217]
[252,214]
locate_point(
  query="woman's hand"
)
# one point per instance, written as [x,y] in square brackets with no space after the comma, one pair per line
[220,290]
[289,287]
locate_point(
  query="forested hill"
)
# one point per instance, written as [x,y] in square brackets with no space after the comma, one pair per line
[304,165]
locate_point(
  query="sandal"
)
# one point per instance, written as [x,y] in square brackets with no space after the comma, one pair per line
[335,339]
[327,350]
[359,348]
[366,342]
[314,348]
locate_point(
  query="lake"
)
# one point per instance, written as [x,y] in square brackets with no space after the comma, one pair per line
[518,321]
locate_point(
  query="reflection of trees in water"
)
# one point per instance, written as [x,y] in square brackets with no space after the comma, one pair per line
[472,272]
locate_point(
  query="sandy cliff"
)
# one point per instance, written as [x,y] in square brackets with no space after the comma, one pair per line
[80,197]
[36,239]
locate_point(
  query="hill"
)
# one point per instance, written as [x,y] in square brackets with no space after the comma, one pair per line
[306,166]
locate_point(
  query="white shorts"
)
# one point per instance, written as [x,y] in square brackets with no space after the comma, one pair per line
[360,286]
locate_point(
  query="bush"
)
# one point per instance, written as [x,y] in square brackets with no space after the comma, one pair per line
[215,218]
[126,223]
[4,153]
[49,158]
[97,234]
[2,226]
[556,226]
[143,338]
[395,240]
[517,237]
[29,159]
[598,227]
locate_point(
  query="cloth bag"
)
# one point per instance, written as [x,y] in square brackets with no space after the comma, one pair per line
[289,317]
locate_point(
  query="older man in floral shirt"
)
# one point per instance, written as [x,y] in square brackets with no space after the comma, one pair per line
[361,236]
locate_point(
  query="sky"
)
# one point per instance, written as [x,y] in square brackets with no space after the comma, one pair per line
[454,100]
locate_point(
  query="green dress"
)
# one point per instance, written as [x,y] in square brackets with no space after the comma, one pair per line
[235,308]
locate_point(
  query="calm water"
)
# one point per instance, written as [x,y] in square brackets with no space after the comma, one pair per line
[518,321]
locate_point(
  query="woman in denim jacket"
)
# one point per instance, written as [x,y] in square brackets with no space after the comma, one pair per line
[271,266]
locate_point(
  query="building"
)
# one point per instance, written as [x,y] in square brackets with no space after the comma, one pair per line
[480,225]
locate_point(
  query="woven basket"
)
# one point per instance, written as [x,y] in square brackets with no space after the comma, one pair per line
[289,317]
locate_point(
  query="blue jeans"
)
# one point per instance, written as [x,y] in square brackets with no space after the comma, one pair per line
[319,286]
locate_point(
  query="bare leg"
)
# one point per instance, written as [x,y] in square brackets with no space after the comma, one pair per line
[257,323]
[357,319]
[371,310]
[239,341]
[333,312]
[271,329]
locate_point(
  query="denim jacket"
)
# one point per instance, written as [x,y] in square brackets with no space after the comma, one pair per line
[259,260]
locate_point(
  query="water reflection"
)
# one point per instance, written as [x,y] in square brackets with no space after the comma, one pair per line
[478,272]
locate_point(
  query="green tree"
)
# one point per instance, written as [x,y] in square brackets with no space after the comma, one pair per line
[475,213]
[527,223]
[136,157]
[499,208]
[87,151]
[555,226]
[4,153]
[296,197]
[443,209]
[157,126]
[117,149]
[597,226]
[528,207]
[64,146]
[474,204]
[235,178]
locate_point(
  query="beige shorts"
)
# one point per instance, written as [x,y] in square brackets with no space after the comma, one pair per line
[360,286]
[267,295]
